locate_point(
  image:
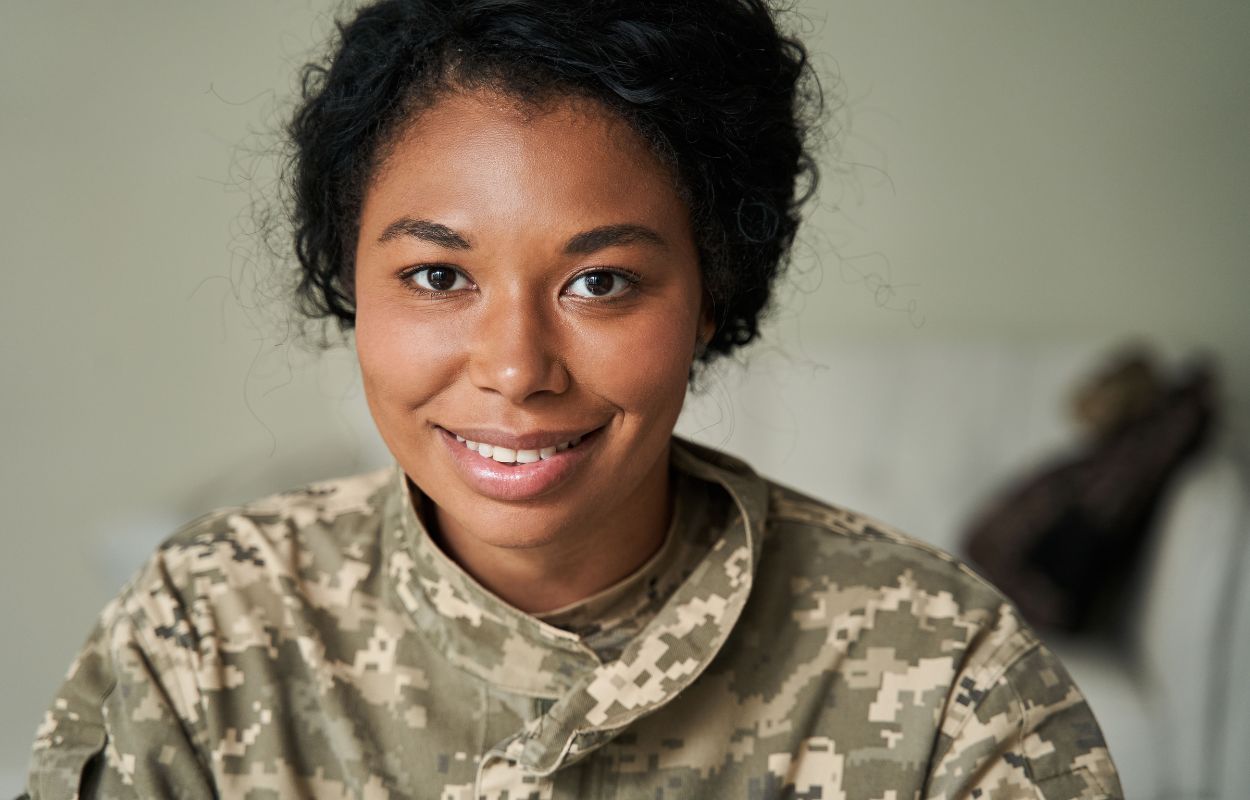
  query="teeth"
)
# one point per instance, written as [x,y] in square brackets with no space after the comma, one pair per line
[506,455]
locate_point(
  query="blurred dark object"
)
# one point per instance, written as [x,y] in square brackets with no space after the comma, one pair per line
[1126,391]
[1062,542]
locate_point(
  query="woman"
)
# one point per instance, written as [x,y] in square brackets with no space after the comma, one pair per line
[539,218]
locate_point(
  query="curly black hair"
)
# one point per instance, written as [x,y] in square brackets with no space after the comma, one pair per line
[720,93]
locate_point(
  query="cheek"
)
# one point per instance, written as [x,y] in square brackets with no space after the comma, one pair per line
[404,360]
[641,365]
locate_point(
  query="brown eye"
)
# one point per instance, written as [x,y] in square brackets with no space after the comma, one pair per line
[600,283]
[439,279]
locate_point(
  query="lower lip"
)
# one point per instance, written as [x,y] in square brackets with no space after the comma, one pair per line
[517,481]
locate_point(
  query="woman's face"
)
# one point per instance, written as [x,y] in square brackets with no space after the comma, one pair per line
[526,280]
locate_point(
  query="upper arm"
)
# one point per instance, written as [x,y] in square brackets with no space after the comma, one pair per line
[1018,727]
[114,730]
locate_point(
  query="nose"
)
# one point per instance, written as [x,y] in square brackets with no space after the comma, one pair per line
[513,351]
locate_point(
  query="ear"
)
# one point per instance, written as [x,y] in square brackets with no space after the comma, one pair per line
[707,321]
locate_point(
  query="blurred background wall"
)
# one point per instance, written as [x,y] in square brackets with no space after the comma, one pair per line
[1009,189]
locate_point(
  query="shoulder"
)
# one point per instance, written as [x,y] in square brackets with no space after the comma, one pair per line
[856,548]
[904,608]
[845,576]
[893,590]
[256,562]
[803,544]
[339,510]
[322,503]
[875,636]
[234,583]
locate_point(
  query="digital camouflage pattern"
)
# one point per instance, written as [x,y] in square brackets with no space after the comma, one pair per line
[318,644]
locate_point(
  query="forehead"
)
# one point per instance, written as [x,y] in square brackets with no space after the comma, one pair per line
[487,153]
[495,112]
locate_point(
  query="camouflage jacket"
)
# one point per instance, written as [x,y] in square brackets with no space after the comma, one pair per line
[319,644]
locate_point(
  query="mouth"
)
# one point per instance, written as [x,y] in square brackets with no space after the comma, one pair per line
[517,456]
[519,467]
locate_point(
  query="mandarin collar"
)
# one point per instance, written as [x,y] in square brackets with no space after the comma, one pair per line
[516,652]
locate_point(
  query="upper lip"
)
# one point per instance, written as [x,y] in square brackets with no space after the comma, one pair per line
[530,440]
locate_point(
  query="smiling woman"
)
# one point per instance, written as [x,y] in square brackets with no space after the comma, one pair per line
[538,218]
[524,309]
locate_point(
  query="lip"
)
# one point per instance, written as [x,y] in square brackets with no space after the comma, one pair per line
[517,482]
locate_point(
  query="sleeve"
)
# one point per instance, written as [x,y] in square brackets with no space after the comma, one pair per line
[1017,727]
[113,731]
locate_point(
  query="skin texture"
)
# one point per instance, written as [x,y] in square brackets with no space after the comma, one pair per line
[517,344]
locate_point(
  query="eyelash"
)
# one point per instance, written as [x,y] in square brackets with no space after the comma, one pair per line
[631,278]
[408,275]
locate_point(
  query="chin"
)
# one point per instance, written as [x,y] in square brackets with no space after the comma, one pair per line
[506,526]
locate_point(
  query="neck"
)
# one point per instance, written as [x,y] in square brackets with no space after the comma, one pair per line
[578,561]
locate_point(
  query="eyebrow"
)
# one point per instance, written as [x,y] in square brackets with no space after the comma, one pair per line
[583,243]
[425,230]
[605,236]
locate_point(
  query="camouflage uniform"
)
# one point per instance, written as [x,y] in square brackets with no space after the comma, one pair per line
[318,644]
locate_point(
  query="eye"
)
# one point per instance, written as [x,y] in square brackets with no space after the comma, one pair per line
[438,278]
[601,283]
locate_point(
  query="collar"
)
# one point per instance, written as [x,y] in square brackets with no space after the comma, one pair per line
[608,620]
[517,652]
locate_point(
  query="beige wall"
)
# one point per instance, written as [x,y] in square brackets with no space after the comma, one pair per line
[1041,170]
[1034,172]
